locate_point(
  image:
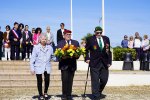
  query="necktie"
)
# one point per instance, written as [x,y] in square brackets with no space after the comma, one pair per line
[100,44]
[68,42]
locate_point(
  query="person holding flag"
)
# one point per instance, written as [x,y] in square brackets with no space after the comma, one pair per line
[14,38]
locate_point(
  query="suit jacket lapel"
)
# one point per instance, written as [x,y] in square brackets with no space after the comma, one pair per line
[64,43]
[104,40]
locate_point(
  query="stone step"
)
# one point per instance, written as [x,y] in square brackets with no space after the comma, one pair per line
[34,82]
[20,63]
[12,76]
[25,71]
[55,88]
[16,67]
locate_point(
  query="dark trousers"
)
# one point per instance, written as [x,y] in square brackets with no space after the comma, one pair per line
[99,78]
[67,81]
[15,49]
[26,49]
[39,82]
[0,52]
[138,53]
[31,48]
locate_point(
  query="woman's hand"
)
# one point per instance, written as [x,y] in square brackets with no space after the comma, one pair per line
[32,72]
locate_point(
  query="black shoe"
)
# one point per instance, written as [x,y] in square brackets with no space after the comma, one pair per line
[69,98]
[64,97]
[102,96]
[96,98]
[41,98]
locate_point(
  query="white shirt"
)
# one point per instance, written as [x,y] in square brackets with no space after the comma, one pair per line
[130,44]
[145,44]
[137,43]
[62,30]
[27,35]
[48,36]
[101,41]
[69,42]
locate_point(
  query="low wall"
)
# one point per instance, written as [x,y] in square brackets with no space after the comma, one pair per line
[116,65]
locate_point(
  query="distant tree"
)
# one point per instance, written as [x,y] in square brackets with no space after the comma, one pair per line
[118,47]
[87,36]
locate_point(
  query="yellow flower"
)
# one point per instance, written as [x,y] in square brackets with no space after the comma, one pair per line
[71,54]
[77,50]
[56,52]
[83,50]
[62,52]
[70,50]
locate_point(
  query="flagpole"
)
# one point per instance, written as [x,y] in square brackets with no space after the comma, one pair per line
[71,20]
[103,18]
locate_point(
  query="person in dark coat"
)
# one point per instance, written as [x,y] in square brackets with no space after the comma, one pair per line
[60,32]
[26,42]
[99,61]
[1,43]
[67,66]
[14,37]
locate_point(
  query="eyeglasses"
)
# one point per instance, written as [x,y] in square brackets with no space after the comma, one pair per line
[48,29]
[98,32]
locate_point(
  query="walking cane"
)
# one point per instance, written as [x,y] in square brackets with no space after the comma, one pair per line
[86,82]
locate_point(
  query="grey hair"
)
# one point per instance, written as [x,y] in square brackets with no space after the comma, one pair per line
[48,27]
[42,35]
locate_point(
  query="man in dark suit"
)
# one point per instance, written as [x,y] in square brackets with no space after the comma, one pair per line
[14,37]
[1,43]
[67,66]
[99,61]
[60,32]
[26,42]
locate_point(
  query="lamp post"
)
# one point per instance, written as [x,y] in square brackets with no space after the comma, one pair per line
[71,20]
[103,18]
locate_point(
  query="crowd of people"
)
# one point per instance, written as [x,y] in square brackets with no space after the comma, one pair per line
[99,62]
[141,45]
[20,40]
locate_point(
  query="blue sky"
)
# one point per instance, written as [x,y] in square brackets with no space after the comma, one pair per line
[122,17]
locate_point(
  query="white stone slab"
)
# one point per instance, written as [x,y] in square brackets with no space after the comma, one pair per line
[128,80]
[116,65]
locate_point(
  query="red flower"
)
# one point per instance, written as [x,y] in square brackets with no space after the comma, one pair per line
[95,47]
[107,46]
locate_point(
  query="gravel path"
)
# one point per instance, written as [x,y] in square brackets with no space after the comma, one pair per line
[113,93]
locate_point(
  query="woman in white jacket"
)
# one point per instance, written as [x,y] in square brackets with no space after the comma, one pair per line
[40,64]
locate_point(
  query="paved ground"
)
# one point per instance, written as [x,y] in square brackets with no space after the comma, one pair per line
[113,93]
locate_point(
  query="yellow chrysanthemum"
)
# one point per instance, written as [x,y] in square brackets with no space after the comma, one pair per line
[62,52]
[71,54]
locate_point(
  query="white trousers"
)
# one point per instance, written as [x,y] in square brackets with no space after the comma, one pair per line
[7,52]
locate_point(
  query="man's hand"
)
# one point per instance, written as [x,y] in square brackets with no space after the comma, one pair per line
[15,39]
[7,41]
[108,65]
[31,42]
[26,42]
[32,72]
[88,61]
